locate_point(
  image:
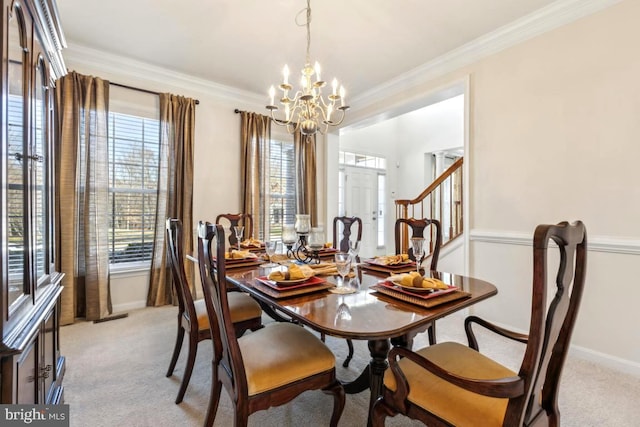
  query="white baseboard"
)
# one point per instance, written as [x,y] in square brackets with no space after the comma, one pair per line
[612,362]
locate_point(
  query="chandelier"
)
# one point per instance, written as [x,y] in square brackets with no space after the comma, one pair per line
[307,110]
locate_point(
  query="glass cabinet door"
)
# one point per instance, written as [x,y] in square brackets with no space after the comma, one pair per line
[38,162]
[16,238]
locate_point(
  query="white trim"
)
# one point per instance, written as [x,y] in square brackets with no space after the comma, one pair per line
[614,245]
[616,363]
[109,63]
[612,362]
[546,19]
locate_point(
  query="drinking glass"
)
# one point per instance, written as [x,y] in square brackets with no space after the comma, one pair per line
[417,244]
[342,312]
[270,247]
[343,265]
[238,229]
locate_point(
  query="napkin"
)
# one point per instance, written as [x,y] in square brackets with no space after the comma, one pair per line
[327,269]
[293,272]
[252,243]
[236,254]
[391,259]
[414,279]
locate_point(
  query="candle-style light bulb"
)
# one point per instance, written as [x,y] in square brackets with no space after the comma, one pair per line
[286,111]
[317,67]
[329,111]
[285,73]
[342,94]
[334,85]
[272,94]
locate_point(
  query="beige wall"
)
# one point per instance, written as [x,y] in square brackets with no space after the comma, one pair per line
[554,126]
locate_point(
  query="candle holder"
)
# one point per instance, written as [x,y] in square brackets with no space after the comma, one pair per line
[303,242]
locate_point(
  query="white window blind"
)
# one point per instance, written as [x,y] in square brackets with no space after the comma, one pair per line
[134,150]
[280,199]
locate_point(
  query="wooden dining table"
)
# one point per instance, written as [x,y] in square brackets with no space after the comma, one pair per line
[369,315]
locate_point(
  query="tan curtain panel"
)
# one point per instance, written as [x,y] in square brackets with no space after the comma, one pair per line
[255,133]
[306,181]
[82,209]
[175,192]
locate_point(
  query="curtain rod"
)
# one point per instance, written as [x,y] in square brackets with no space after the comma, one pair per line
[141,90]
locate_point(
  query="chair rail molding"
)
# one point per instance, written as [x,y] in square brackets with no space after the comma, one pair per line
[616,245]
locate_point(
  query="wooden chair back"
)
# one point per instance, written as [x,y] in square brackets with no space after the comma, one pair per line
[551,324]
[175,259]
[231,220]
[341,241]
[227,353]
[418,227]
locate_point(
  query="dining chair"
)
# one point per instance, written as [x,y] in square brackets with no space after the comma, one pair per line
[341,241]
[265,368]
[418,227]
[342,231]
[192,314]
[230,220]
[452,384]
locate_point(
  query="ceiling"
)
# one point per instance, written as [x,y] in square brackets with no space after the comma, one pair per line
[244,44]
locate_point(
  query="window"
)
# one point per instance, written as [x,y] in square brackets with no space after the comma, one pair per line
[134,149]
[134,156]
[280,197]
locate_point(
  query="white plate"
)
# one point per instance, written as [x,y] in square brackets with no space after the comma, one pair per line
[414,289]
[290,282]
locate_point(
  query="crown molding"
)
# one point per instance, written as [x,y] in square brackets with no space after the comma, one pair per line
[607,244]
[81,56]
[555,15]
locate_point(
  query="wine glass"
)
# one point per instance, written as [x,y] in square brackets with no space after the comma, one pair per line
[238,229]
[342,312]
[417,244]
[343,265]
[270,247]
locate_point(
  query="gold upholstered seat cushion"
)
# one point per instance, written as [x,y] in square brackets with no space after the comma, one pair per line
[241,305]
[451,403]
[282,353]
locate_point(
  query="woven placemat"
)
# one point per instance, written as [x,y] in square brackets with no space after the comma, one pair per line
[430,302]
[387,270]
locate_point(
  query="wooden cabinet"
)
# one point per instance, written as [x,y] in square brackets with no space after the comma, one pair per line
[31,367]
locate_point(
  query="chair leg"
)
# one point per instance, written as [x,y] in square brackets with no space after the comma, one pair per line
[350,355]
[176,350]
[338,401]
[432,333]
[191,359]
[379,413]
[214,398]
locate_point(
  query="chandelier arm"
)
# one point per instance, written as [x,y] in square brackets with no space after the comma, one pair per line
[308,110]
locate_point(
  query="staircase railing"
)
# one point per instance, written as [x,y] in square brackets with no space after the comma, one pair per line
[441,200]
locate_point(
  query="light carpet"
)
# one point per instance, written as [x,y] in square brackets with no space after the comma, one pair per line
[116,377]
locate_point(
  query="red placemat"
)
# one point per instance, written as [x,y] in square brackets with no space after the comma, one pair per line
[421,295]
[311,281]
[432,301]
[267,286]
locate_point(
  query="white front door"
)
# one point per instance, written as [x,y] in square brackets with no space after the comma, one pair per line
[361,200]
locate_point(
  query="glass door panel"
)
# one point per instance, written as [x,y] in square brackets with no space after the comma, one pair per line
[16,158]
